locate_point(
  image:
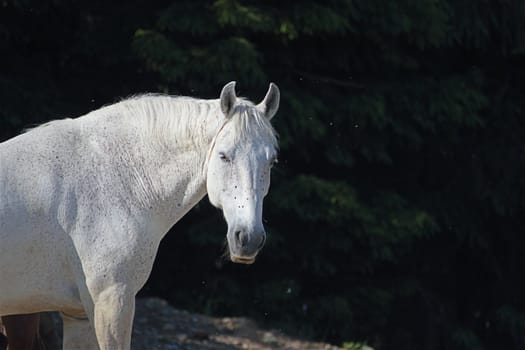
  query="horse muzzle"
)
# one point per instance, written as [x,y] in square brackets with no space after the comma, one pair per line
[244,245]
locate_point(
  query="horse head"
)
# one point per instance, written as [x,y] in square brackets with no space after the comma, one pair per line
[238,169]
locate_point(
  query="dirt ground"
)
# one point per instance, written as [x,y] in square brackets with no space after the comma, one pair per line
[161,327]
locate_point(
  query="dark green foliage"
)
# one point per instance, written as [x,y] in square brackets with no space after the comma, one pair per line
[395,212]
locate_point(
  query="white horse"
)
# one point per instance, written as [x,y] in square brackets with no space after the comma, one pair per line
[85,202]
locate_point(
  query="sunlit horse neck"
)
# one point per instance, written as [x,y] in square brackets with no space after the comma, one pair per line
[86,201]
[166,143]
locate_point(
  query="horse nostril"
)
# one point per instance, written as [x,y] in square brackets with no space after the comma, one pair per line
[241,238]
[261,244]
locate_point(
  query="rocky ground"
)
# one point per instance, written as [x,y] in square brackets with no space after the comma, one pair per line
[161,327]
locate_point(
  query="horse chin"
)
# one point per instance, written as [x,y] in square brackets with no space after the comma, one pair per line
[242,260]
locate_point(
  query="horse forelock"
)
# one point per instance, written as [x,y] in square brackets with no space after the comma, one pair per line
[250,123]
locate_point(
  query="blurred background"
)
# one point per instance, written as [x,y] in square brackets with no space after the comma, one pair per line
[395,213]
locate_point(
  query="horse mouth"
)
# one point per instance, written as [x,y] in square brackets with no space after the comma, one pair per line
[241,260]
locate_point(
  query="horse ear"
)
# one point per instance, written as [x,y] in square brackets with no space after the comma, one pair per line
[270,103]
[228,98]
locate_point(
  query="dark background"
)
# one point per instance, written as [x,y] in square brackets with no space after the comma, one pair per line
[395,214]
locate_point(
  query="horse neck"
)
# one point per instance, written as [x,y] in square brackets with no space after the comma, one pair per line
[168,177]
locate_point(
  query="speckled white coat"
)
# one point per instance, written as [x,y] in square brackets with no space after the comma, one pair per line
[85,202]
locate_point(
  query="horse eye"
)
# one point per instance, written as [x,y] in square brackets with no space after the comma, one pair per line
[224,157]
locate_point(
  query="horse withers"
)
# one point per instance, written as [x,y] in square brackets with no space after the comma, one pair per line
[85,202]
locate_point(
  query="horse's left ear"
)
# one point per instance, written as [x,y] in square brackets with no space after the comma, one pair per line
[270,103]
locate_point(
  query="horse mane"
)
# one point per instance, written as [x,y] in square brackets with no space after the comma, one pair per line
[180,118]
[186,116]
